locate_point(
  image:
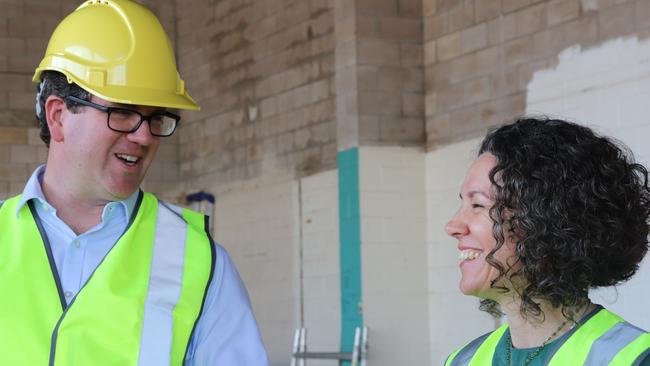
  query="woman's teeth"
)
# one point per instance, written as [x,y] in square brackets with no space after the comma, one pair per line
[468,255]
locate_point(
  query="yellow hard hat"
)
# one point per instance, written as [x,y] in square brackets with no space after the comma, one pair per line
[118,51]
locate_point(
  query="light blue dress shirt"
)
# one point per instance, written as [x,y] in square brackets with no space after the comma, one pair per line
[226,333]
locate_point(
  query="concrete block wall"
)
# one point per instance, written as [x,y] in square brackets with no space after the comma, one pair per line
[606,88]
[24,30]
[21,151]
[479,55]
[283,238]
[321,300]
[263,73]
[394,255]
[390,77]
[379,77]
[260,227]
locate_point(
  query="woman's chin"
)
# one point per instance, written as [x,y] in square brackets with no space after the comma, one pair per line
[481,292]
[470,289]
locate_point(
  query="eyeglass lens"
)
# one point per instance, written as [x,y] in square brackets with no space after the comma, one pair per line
[124,120]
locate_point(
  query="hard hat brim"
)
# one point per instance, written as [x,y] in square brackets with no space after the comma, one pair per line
[131,95]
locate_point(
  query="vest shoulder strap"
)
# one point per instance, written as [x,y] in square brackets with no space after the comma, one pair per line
[14,198]
[178,211]
[604,339]
[196,219]
[480,350]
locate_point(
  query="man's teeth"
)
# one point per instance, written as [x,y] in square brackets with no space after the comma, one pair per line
[468,255]
[128,158]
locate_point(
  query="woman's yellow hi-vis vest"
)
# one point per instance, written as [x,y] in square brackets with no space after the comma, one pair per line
[604,339]
[139,307]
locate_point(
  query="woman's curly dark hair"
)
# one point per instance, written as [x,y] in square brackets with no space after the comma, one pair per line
[576,206]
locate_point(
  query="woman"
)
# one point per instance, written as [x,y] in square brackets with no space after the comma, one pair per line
[549,210]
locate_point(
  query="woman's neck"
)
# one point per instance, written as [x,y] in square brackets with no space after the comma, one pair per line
[528,332]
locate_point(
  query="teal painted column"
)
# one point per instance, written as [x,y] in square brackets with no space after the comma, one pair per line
[350,246]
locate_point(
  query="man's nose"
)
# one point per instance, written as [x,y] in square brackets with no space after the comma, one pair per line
[142,135]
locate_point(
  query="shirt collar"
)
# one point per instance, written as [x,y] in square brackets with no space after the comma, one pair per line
[34,192]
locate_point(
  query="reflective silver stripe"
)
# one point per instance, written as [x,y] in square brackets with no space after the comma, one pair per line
[608,345]
[165,282]
[465,355]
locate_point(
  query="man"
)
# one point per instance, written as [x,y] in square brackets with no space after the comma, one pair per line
[93,270]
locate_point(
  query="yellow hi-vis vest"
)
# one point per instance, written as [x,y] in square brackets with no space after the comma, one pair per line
[604,339]
[139,307]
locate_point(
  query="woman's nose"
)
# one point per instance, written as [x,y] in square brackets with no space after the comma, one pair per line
[456,226]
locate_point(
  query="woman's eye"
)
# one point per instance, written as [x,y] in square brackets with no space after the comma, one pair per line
[476,205]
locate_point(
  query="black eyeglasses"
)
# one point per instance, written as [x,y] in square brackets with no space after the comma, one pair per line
[161,124]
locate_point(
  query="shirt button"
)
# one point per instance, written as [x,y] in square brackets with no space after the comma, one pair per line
[68,294]
[76,243]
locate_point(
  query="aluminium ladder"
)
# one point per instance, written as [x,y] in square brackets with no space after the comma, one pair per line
[358,356]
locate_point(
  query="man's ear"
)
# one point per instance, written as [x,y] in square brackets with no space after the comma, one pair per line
[55,109]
